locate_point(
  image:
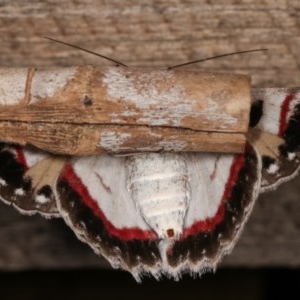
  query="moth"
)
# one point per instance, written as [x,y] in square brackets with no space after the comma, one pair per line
[155,213]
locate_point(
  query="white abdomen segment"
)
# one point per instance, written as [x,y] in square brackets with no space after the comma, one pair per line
[159,186]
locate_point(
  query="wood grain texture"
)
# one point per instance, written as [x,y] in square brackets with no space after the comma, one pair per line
[157,34]
[71,139]
[91,110]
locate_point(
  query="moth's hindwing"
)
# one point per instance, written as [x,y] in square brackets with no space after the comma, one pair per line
[277,134]
[26,179]
[97,197]
[215,218]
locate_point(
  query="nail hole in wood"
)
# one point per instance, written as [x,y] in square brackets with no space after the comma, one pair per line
[87,101]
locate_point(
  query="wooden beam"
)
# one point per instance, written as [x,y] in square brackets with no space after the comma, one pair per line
[90,110]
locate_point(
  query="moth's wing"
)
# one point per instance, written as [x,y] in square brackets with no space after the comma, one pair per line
[94,200]
[26,179]
[223,191]
[277,134]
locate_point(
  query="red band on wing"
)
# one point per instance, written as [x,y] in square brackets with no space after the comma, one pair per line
[123,233]
[21,157]
[285,108]
[209,224]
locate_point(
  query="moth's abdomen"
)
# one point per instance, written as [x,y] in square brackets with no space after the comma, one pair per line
[159,186]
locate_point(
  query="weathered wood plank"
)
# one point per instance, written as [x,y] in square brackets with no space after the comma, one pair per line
[89,110]
[72,139]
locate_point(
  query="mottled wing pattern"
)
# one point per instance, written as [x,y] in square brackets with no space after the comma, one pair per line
[26,179]
[276,134]
[94,197]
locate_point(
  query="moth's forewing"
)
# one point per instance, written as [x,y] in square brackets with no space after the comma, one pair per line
[27,177]
[277,134]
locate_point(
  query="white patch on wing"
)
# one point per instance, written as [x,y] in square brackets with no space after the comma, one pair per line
[291,156]
[208,176]
[19,192]
[273,168]
[42,199]
[271,110]
[105,178]
[3,182]
[273,100]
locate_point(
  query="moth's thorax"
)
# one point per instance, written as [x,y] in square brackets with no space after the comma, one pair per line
[159,186]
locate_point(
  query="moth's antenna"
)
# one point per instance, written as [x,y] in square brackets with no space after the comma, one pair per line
[213,57]
[88,51]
